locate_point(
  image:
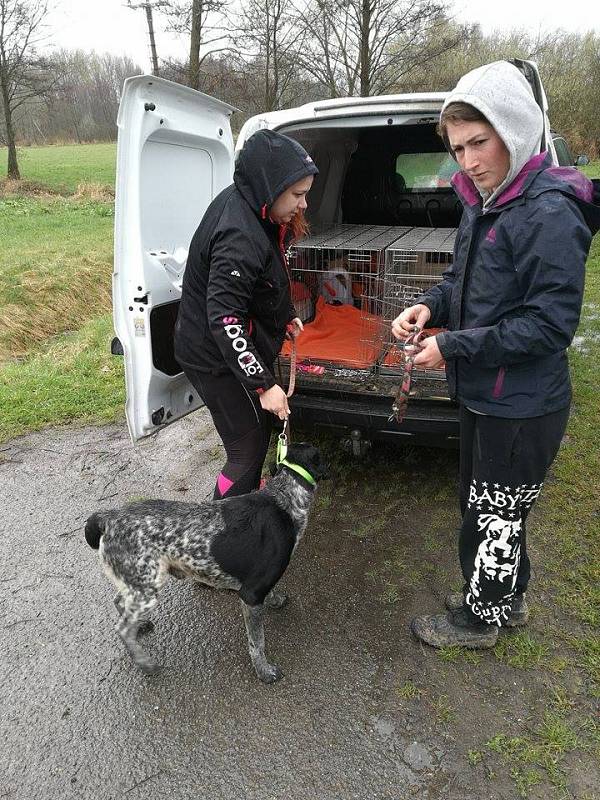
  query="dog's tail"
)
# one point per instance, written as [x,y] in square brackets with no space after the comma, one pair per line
[94,529]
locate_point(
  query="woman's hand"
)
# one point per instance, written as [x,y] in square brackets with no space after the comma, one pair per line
[429,355]
[404,324]
[275,401]
[294,328]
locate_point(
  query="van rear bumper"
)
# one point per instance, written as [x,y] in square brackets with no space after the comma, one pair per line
[433,423]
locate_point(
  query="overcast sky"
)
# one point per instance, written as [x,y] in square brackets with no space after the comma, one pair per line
[108,25]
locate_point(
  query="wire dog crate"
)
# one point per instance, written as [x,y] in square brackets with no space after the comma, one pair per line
[413,264]
[350,281]
[337,283]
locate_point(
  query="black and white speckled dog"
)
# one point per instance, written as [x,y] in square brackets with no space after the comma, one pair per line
[242,543]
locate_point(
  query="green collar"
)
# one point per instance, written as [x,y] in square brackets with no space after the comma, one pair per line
[300,470]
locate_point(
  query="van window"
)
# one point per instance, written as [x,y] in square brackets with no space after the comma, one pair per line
[400,175]
[425,170]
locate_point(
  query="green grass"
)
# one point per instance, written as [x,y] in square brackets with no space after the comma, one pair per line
[520,650]
[537,755]
[63,167]
[409,691]
[73,378]
[55,268]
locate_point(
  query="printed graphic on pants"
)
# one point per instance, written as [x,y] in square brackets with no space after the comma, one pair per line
[498,514]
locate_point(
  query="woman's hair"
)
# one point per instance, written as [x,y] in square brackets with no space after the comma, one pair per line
[298,227]
[458,112]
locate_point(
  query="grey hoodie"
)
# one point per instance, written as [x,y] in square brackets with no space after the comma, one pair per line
[503,95]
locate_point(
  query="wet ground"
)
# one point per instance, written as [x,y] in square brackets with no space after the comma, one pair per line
[363,711]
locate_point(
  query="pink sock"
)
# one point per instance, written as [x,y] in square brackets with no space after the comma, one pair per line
[224,484]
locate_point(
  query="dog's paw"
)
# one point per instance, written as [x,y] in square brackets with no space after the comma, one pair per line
[147,666]
[270,674]
[276,599]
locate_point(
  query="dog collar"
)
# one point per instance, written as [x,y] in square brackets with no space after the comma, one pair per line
[300,470]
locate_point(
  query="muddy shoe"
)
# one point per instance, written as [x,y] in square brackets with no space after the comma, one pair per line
[519,612]
[447,630]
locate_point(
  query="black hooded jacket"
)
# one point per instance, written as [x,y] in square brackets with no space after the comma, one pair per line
[236,302]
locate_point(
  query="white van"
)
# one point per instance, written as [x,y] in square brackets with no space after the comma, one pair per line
[382,216]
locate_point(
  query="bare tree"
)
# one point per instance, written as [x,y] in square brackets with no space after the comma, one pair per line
[205,23]
[365,46]
[23,74]
[269,39]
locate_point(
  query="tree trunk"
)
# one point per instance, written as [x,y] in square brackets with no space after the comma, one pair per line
[152,40]
[365,49]
[195,40]
[13,166]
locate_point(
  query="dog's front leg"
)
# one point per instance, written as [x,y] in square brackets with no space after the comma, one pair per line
[253,617]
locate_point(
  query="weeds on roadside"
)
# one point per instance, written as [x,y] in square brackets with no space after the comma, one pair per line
[542,750]
[410,691]
[520,650]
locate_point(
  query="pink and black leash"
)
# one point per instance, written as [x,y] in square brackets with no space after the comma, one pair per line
[401,400]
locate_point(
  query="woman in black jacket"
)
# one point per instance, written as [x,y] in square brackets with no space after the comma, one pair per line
[236,304]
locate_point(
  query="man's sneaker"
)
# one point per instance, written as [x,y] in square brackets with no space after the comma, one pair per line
[519,613]
[454,629]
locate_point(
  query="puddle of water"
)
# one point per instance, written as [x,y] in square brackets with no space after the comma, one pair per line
[582,343]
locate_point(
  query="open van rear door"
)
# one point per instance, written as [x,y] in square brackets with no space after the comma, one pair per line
[531,73]
[175,153]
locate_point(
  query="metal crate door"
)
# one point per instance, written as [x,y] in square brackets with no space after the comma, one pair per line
[339,273]
[413,264]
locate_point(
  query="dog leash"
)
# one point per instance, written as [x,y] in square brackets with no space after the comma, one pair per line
[282,443]
[400,403]
[281,457]
[293,358]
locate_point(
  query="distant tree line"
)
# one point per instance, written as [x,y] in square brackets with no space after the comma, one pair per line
[270,54]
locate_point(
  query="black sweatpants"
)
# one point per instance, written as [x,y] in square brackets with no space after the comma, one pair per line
[243,425]
[503,463]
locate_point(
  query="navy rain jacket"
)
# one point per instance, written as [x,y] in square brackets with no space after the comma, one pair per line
[235,302]
[512,298]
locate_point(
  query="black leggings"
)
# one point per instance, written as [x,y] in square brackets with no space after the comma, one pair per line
[503,463]
[243,425]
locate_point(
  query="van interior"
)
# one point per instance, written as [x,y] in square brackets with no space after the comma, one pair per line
[382,218]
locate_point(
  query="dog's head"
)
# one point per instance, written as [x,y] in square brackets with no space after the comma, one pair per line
[308,457]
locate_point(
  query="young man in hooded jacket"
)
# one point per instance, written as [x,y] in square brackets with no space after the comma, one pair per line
[236,303]
[511,303]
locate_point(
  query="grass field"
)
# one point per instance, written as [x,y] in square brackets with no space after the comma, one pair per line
[63,167]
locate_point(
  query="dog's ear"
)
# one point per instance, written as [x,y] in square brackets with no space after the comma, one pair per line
[273,469]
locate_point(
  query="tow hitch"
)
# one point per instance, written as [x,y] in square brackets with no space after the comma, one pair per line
[357,444]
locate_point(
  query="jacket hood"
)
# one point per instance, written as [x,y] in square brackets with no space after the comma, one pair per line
[267,165]
[574,183]
[503,95]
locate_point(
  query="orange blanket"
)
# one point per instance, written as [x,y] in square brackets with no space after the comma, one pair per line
[341,334]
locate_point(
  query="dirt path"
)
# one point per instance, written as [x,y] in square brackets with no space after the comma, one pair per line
[363,712]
